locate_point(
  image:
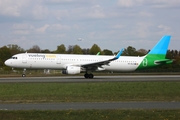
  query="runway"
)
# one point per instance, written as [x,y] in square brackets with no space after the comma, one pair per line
[141,78]
[98,105]
[78,106]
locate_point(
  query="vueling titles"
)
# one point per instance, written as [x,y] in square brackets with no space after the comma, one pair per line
[42,56]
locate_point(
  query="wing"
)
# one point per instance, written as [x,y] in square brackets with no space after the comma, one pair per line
[95,65]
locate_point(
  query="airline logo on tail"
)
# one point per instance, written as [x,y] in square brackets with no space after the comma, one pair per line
[157,55]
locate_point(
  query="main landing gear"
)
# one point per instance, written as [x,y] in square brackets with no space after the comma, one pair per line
[86,75]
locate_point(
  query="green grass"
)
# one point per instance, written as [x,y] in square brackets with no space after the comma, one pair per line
[89,92]
[91,115]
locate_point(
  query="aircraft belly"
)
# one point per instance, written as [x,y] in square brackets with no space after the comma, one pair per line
[121,67]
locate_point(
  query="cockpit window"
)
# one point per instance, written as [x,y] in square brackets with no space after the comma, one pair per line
[14,58]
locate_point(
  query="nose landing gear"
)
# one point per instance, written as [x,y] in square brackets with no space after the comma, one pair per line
[24,73]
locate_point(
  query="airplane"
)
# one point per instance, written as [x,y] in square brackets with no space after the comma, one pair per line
[75,64]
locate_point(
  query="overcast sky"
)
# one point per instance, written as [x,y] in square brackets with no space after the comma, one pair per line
[112,24]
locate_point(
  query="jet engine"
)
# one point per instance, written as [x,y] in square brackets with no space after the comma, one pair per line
[71,70]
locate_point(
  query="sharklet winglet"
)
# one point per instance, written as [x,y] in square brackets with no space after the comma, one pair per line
[119,53]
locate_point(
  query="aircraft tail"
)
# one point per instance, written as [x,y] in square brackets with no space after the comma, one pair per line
[157,56]
[160,49]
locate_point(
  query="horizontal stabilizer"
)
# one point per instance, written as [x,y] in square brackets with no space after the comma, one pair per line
[165,61]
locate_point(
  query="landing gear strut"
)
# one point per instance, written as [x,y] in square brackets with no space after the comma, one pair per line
[86,75]
[24,73]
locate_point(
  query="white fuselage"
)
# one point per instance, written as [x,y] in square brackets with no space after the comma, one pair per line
[61,61]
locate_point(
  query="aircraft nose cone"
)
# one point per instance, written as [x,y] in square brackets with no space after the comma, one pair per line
[7,62]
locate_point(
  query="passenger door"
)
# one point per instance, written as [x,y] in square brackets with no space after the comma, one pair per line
[58,59]
[24,58]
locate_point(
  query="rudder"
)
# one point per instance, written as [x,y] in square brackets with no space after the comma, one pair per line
[161,47]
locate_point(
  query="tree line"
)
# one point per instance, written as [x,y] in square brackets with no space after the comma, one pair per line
[7,51]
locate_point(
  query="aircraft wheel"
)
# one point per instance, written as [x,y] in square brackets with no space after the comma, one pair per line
[91,76]
[23,75]
[86,75]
